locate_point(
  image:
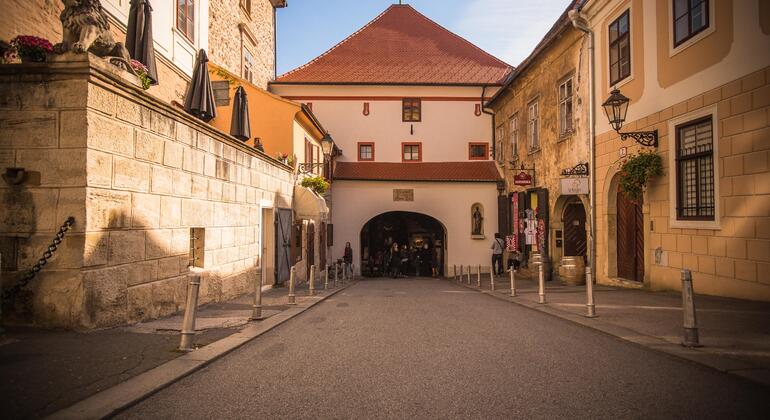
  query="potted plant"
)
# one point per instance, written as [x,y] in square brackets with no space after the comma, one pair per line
[32,49]
[318,184]
[141,71]
[635,173]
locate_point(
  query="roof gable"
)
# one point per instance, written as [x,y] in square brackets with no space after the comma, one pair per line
[401,46]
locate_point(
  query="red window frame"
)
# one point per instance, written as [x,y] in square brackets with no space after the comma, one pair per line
[411,110]
[358,148]
[486,150]
[419,151]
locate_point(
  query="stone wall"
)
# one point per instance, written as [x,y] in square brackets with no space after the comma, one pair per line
[226,37]
[136,174]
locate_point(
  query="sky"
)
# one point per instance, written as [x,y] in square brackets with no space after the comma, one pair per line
[507,29]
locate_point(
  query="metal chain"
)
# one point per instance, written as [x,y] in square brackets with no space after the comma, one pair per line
[32,272]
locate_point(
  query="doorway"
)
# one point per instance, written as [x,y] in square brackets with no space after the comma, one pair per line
[574,222]
[267,259]
[630,239]
[415,230]
[283,230]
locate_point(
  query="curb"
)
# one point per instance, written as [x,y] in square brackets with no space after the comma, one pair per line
[113,400]
[735,367]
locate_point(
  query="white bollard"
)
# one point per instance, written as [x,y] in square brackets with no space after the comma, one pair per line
[478,276]
[256,313]
[326,277]
[191,307]
[541,283]
[292,296]
[513,282]
[454,271]
[590,307]
[460,279]
[311,281]
[690,338]
[469,275]
[336,270]
[491,279]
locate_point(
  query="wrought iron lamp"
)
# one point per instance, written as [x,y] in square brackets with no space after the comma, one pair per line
[616,107]
[327,143]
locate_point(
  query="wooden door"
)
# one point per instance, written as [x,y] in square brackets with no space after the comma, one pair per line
[630,239]
[574,230]
[322,247]
[310,247]
[283,227]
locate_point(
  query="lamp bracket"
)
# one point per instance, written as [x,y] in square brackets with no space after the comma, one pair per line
[645,138]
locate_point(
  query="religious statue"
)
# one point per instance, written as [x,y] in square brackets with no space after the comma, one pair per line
[478,221]
[85,28]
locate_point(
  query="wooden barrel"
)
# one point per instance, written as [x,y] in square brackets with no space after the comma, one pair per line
[535,260]
[572,270]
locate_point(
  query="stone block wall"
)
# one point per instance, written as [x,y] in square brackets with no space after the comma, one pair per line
[733,260]
[136,174]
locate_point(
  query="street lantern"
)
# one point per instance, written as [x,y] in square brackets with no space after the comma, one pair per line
[326,145]
[616,107]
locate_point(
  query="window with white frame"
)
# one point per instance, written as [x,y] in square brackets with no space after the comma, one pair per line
[565,107]
[533,126]
[513,135]
[695,174]
[499,152]
[248,66]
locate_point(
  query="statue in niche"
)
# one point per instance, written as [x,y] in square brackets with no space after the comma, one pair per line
[477,220]
[85,28]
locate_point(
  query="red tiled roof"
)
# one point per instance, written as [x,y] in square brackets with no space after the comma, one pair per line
[401,46]
[485,171]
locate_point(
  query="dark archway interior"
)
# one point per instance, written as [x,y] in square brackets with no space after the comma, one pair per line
[414,230]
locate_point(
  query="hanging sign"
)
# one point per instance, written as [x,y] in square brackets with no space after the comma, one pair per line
[522,178]
[574,186]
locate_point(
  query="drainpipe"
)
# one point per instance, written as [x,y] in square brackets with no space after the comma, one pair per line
[579,21]
[494,141]
[275,46]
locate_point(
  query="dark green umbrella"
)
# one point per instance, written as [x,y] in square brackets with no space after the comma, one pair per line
[139,37]
[239,124]
[199,100]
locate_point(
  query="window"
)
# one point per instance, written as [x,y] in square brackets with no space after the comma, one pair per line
[411,152]
[534,127]
[365,152]
[565,107]
[478,151]
[513,133]
[499,153]
[690,18]
[185,18]
[620,48]
[695,170]
[246,4]
[308,151]
[411,110]
[248,66]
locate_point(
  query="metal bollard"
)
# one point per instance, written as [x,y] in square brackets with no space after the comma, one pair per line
[311,281]
[541,284]
[491,279]
[292,296]
[188,323]
[256,313]
[469,275]
[590,307]
[478,276]
[460,279]
[344,272]
[326,278]
[336,269]
[513,282]
[454,271]
[688,309]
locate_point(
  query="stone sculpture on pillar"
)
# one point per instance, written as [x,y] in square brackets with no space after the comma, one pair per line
[85,28]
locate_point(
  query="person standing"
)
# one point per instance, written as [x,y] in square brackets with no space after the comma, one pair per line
[394,260]
[497,254]
[348,259]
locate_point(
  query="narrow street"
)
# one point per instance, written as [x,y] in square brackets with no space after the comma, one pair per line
[428,348]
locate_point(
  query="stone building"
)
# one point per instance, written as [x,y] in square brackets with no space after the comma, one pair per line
[242,37]
[697,73]
[542,136]
[402,99]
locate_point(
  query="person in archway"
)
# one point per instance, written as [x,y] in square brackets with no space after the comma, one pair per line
[394,260]
[497,254]
[426,257]
[404,255]
[348,258]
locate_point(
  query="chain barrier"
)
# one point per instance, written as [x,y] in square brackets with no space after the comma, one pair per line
[32,272]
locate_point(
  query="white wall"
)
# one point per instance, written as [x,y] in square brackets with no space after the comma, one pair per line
[169,42]
[448,120]
[448,202]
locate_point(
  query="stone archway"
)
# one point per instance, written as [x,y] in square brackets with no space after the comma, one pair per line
[613,230]
[403,227]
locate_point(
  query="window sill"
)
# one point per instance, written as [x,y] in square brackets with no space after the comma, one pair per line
[533,151]
[565,135]
[690,42]
[694,224]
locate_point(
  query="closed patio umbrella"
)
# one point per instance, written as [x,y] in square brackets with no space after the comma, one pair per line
[199,100]
[139,37]
[239,124]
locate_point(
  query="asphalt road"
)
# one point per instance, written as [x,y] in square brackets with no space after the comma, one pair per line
[426,348]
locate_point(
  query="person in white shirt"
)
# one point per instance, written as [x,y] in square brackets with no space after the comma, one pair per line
[497,254]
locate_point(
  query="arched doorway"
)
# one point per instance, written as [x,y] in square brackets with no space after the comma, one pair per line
[405,228]
[630,239]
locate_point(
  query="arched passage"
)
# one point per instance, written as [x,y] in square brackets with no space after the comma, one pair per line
[415,230]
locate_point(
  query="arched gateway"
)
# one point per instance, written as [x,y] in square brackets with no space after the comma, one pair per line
[415,230]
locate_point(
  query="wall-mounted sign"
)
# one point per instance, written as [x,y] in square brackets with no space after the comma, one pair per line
[622,152]
[403,195]
[522,178]
[573,186]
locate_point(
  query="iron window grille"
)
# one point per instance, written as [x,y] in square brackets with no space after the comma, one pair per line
[695,170]
[620,48]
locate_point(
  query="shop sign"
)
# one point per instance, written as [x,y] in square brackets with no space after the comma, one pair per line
[574,186]
[403,195]
[522,178]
